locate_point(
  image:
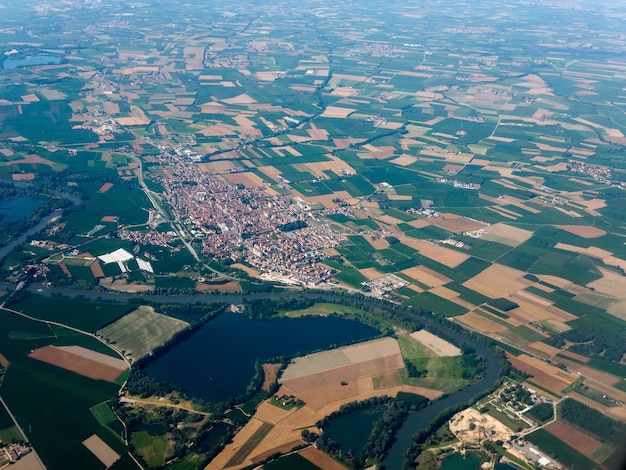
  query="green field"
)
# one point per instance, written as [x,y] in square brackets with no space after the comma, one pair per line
[413,349]
[323,309]
[142,330]
[51,404]
[558,449]
[81,314]
[151,448]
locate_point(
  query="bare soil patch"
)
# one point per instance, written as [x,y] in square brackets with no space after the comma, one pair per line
[427,276]
[319,458]
[76,363]
[506,234]
[96,270]
[461,425]
[34,159]
[570,435]
[248,179]
[95,356]
[337,112]
[346,374]
[611,283]
[480,323]
[232,286]
[456,223]
[440,346]
[247,269]
[23,176]
[585,231]
[442,255]
[592,251]
[4,362]
[545,375]
[270,372]
[100,449]
[498,281]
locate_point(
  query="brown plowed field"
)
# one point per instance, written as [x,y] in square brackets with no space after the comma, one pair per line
[347,373]
[578,440]
[545,375]
[76,363]
[585,231]
[319,458]
[105,187]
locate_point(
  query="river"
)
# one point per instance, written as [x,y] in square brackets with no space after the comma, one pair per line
[420,419]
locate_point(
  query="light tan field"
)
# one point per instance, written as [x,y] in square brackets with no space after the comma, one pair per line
[317,134]
[248,179]
[455,223]
[614,261]
[101,450]
[543,374]
[592,251]
[327,199]
[335,358]
[533,308]
[220,166]
[247,269]
[480,323]
[426,276]
[82,361]
[105,187]
[371,273]
[506,234]
[436,344]
[270,171]
[378,244]
[611,283]
[404,160]
[498,281]
[419,223]
[545,351]
[585,231]
[442,255]
[337,112]
[460,425]
[23,176]
[240,99]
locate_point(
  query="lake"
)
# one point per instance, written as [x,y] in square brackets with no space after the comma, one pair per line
[351,431]
[42,59]
[18,209]
[217,362]
[460,462]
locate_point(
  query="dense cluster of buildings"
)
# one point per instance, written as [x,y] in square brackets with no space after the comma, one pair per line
[277,235]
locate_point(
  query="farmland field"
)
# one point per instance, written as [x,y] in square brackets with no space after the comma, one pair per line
[141,330]
[463,162]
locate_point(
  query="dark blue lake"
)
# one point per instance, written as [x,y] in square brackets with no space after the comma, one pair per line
[217,362]
[43,59]
[18,209]
[351,431]
[460,462]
